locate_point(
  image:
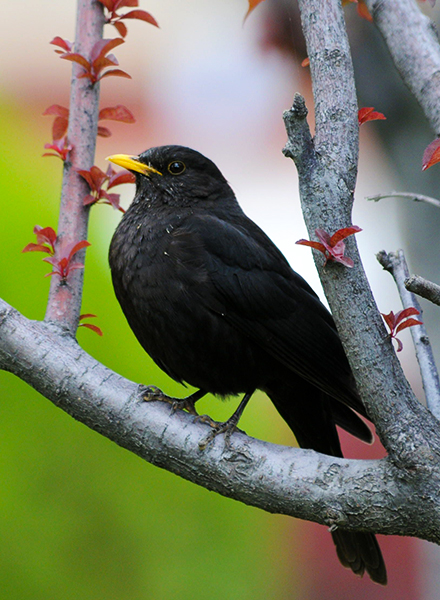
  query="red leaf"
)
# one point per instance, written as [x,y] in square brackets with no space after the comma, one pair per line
[36,248]
[306,62]
[142,15]
[94,328]
[333,247]
[315,245]
[76,248]
[46,235]
[408,323]
[65,44]
[59,128]
[89,199]
[121,28]
[104,131]
[341,234]
[103,47]
[128,3]
[86,316]
[120,178]
[252,5]
[108,4]
[369,114]
[116,73]
[78,58]
[407,312]
[105,61]
[116,113]
[431,155]
[59,111]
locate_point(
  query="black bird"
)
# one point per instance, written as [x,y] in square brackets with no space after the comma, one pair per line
[215,304]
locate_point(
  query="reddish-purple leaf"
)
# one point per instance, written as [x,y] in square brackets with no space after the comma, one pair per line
[116,73]
[341,234]
[65,44]
[121,28]
[36,248]
[108,4]
[56,109]
[116,113]
[104,131]
[369,114]
[128,3]
[103,47]
[103,62]
[407,312]
[59,128]
[89,199]
[315,245]
[120,178]
[142,15]
[86,316]
[76,248]
[77,58]
[408,323]
[431,155]
[45,235]
[94,328]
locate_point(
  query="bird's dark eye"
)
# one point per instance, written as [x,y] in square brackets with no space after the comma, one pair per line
[176,167]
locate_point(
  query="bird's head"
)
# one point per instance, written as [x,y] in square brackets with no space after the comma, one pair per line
[175,175]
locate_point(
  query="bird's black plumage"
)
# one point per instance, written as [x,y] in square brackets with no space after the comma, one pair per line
[215,304]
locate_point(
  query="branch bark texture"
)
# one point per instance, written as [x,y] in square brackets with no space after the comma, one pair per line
[326,188]
[413,43]
[368,495]
[64,302]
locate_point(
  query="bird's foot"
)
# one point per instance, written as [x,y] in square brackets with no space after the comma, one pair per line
[228,428]
[152,393]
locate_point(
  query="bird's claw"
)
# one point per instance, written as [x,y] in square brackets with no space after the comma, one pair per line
[228,428]
[151,393]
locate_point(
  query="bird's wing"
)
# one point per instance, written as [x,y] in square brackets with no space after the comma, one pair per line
[253,287]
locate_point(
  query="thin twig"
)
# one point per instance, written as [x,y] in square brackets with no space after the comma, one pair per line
[395,263]
[64,301]
[424,288]
[409,195]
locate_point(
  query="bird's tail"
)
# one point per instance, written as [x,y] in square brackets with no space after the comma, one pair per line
[312,415]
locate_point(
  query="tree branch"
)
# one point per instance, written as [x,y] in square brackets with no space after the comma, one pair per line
[326,198]
[368,495]
[423,287]
[395,263]
[64,302]
[413,43]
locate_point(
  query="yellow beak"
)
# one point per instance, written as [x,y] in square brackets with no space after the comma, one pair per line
[132,164]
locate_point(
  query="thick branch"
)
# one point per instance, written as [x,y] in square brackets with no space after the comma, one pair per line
[395,263]
[326,196]
[413,43]
[424,288]
[367,495]
[64,302]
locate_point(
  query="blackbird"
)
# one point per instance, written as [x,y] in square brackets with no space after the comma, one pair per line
[215,304]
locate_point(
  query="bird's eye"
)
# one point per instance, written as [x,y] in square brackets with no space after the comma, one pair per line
[176,167]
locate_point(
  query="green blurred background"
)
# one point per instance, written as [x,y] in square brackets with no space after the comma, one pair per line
[82,519]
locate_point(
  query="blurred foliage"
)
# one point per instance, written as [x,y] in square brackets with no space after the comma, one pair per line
[83,519]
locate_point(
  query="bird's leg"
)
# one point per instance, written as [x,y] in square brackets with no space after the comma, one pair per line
[228,427]
[152,393]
